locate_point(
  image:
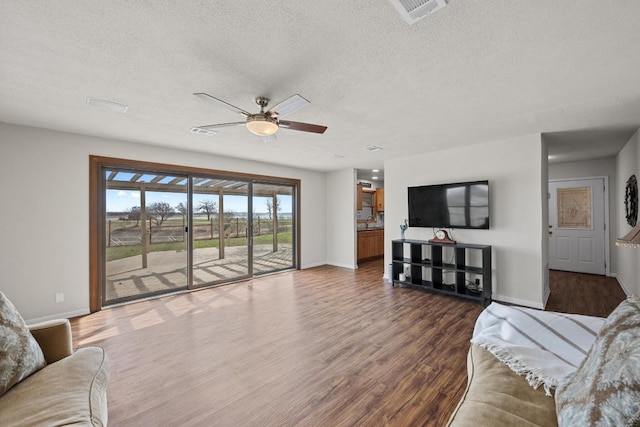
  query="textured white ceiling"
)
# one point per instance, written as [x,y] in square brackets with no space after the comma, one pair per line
[475,71]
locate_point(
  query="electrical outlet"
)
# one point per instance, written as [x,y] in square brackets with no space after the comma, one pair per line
[59,296]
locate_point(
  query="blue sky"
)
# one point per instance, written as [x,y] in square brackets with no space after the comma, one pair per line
[122,200]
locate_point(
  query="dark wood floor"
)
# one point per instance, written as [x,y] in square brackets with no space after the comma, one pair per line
[326,346]
[583,293]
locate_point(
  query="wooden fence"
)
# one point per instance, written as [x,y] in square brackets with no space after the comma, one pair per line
[127,233]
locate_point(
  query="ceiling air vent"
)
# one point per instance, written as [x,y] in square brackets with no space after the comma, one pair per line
[414,10]
[105,104]
[373,148]
[200,131]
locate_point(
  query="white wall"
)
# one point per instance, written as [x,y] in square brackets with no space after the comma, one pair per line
[341,223]
[627,259]
[514,170]
[544,212]
[589,168]
[44,221]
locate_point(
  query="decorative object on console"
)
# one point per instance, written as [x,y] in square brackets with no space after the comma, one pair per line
[631,201]
[403,228]
[441,236]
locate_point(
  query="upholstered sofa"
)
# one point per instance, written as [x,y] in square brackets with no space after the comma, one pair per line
[497,396]
[69,390]
[602,387]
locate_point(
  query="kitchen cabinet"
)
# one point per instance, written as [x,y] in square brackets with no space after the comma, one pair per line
[380,199]
[370,244]
[367,197]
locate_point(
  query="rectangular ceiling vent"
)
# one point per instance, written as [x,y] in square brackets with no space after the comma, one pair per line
[414,10]
[205,132]
[105,104]
[373,148]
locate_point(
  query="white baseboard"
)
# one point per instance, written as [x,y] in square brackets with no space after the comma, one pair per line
[315,264]
[338,264]
[518,301]
[66,315]
[624,288]
[545,299]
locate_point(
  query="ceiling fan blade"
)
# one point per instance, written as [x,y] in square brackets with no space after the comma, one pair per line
[222,125]
[305,127]
[289,106]
[223,103]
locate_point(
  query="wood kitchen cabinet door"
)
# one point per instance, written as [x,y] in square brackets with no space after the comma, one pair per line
[366,245]
[379,243]
[380,199]
[370,244]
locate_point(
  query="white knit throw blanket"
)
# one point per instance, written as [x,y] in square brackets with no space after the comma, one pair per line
[541,345]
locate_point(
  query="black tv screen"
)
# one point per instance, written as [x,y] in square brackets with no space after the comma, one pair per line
[459,205]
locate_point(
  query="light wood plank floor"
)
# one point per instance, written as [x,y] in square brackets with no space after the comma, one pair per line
[321,347]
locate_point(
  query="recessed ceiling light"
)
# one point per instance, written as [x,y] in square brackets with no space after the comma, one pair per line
[374,177]
[205,132]
[107,105]
[373,148]
[375,170]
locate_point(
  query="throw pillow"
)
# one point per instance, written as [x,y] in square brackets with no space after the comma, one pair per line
[20,354]
[605,389]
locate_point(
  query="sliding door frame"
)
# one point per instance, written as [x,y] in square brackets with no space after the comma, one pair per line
[97,207]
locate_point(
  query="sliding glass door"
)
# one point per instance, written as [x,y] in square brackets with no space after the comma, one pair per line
[273,225]
[220,229]
[161,229]
[145,244]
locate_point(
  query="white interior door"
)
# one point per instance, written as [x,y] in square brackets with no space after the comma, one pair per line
[577,226]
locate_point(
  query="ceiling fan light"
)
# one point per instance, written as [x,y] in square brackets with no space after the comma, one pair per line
[262,125]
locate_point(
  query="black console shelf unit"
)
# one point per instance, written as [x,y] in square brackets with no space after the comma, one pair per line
[442,268]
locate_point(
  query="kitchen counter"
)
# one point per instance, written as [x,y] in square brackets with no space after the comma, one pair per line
[371,228]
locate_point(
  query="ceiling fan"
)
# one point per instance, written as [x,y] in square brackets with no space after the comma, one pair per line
[266,123]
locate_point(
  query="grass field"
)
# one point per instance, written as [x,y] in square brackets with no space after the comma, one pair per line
[119,252]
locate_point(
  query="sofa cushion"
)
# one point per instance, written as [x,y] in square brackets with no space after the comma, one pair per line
[605,389]
[498,397]
[71,391]
[20,354]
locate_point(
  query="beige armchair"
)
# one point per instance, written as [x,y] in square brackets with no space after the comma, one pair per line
[70,390]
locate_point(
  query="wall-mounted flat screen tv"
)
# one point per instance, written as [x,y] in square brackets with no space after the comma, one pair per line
[458,205]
